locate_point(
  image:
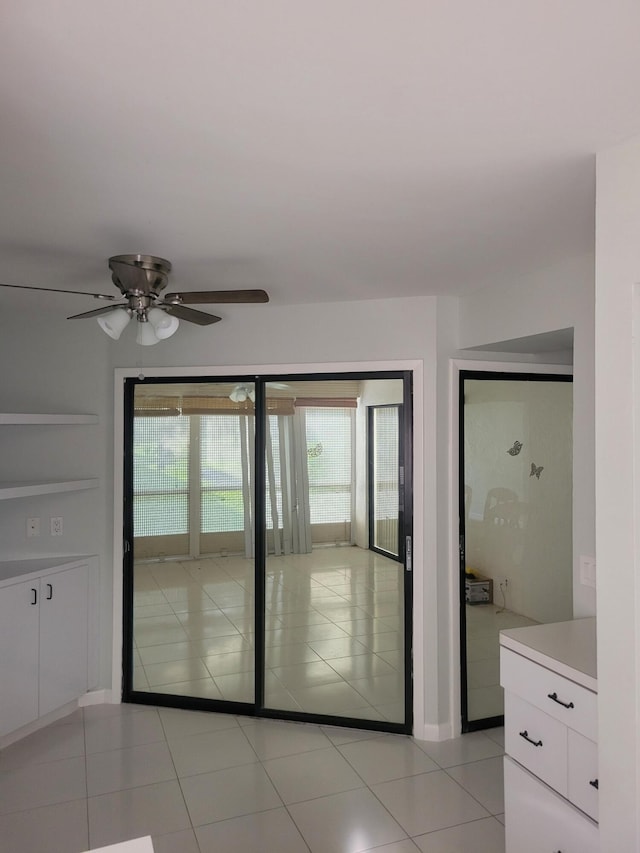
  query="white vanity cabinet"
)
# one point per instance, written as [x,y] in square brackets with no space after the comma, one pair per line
[46,606]
[551,765]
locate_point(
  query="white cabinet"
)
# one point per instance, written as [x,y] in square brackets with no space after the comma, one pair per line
[551,776]
[537,820]
[44,618]
[20,643]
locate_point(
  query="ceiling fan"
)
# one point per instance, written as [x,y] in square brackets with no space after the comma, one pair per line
[141,280]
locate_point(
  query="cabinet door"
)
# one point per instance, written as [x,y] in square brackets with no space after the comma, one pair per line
[539,821]
[536,740]
[63,637]
[583,774]
[19,616]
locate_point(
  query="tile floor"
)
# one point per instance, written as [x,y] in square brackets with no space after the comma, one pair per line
[485,697]
[333,634]
[203,782]
[334,631]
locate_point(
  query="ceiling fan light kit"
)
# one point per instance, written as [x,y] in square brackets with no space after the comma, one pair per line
[115,323]
[240,393]
[141,280]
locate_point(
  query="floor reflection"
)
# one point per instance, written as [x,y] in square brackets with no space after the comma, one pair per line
[334,631]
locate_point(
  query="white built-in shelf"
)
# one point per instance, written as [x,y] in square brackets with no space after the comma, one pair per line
[7,419]
[9,491]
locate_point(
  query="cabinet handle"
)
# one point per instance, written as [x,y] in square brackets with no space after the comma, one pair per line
[525,735]
[50,592]
[554,696]
[594,783]
[34,600]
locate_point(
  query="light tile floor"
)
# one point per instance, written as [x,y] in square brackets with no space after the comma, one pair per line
[333,631]
[334,641]
[214,783]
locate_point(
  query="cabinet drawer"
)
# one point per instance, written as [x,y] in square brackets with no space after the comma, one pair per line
[572,704]
[537,819]
[536,741]
[582,772]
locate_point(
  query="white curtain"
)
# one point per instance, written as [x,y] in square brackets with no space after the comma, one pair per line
[287,484]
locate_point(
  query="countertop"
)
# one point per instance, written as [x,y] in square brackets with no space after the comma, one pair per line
[568,648]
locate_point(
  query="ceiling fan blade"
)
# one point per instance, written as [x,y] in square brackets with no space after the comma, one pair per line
[58,290]
[201,297]
[97,312]
[190,315]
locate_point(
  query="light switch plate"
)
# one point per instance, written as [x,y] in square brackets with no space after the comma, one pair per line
[588,571]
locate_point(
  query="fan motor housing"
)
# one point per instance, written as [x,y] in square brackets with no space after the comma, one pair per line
[147,262]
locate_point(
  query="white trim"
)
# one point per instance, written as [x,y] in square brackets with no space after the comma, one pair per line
[98,697]
[456,365]
[435,732]
[414,366]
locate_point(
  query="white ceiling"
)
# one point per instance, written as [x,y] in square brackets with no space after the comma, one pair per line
[322,150]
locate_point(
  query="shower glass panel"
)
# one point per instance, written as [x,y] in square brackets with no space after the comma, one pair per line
[515,518]
[193,565]
[334,609]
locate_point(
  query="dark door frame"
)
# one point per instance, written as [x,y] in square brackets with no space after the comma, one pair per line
[400,556]
[257,708]
[497,375]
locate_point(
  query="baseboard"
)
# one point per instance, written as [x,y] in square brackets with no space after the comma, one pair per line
[435,732]
[98,697]
[36,725]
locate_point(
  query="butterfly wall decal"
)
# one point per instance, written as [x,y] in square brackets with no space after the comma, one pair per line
[536,471]
[515,449]
[314,452]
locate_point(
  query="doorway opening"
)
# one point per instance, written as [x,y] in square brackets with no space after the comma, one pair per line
[251,585]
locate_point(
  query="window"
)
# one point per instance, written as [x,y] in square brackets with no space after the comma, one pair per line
[222,503]
[329,459]
[161,476]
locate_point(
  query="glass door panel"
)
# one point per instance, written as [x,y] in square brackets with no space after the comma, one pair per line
[334,609]
[384,486]
[193,560]
[516,519]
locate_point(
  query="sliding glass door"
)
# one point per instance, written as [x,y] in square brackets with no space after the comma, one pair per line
[252,582]
[191,484]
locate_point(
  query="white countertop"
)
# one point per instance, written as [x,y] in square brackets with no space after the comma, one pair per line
[568,648]
[22,569]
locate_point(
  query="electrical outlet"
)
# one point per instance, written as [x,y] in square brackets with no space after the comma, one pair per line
[33,527]
[56,526]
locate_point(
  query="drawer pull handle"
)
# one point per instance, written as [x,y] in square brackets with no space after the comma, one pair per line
[525,735]
[554,696]
[594,783]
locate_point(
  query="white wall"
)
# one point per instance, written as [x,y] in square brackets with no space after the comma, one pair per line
[618,480]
